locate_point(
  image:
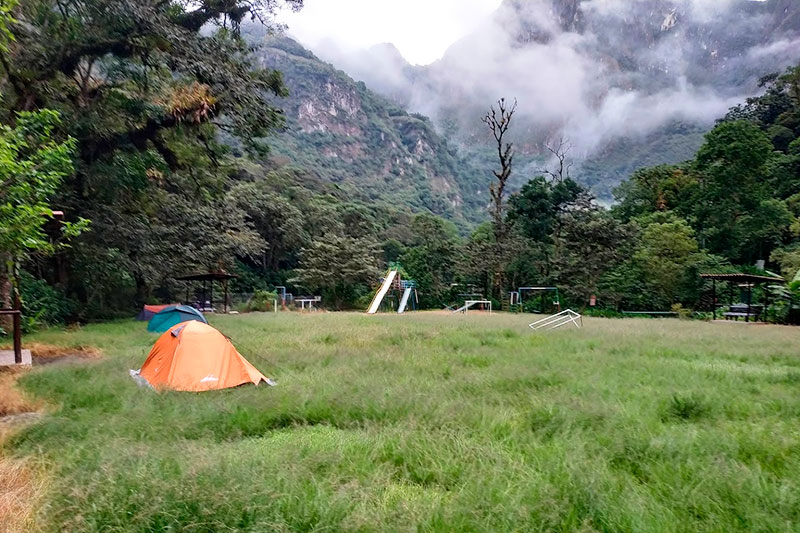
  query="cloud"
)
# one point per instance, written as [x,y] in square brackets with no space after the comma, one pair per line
[421,29]
[593,71]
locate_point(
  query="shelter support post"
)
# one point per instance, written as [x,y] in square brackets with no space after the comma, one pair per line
[749,301]
[225,305]
[16,317]
[714,298]
[17,322]
[17,339]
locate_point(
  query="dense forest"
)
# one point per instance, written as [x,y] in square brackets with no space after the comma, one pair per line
[148,125]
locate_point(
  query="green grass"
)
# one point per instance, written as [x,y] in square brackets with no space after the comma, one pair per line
[429,422]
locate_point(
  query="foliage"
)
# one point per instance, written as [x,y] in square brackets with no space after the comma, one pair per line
[42,304]
[667,256]
[32,167]
[341,267]
[262,301]
[145,89]
[592,243]
[430,259]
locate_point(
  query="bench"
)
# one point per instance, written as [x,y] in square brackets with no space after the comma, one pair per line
[651,313]
[737,311]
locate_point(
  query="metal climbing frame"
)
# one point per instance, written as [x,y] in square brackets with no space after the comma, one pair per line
[522,290]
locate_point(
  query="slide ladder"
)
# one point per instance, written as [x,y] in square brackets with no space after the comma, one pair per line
[381,294]
[404,300]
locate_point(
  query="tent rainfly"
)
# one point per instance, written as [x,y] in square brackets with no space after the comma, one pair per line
[148,311]
[172,315]
[195,357]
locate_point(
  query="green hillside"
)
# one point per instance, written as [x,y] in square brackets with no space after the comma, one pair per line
[343,133]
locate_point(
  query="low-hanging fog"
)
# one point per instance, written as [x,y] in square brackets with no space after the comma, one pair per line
[592,71]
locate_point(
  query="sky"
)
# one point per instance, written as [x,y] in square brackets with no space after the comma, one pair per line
[421,29]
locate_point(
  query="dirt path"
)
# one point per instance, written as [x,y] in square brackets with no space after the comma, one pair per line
[21,485]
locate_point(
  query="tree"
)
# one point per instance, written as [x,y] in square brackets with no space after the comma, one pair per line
[430,258]
[499,121]
[666,254]
[277,220]
[657,189]
[540,202]
[341,267]
[563,165]
[592,244]
[148,90]
[733,197]
[33,164]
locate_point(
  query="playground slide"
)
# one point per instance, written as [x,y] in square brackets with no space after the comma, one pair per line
[376,301]
[404,301]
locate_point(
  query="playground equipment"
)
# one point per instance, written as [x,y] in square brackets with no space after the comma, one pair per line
[381,294]
[560,319]
[471,303]
[308,300]
[404,301]
[392,282]
[515,301]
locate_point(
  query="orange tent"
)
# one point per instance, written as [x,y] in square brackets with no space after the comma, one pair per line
[193,356]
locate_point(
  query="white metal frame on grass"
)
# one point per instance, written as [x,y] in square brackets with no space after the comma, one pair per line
[556,321]
[470,303]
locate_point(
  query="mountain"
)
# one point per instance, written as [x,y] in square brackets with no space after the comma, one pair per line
[629,83]
[343,133]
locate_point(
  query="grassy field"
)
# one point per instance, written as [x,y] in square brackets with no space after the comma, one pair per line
[428,422]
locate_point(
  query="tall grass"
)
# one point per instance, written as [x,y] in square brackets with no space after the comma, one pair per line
[431,423]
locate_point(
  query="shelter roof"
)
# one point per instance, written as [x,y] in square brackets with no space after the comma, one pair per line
[740,277]
[208,276]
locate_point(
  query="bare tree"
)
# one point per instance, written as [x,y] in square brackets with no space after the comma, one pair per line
[562,164]
[499,121]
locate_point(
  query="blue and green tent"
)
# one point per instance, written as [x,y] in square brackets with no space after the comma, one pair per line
[174,314]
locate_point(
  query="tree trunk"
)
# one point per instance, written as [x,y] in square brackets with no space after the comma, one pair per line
[141,291]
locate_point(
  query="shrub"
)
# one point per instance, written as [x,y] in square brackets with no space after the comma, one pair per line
[683,313]
[262,301]
[686,408]
[42,304]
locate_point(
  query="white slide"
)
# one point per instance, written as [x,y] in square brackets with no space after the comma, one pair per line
[404,301]
[379,296]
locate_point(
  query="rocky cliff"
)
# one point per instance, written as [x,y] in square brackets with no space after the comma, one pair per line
[342,132]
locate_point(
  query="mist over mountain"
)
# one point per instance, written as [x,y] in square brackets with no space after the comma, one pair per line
[369,147]
[629,83]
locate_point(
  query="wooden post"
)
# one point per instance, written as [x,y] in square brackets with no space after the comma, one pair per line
[765,317]
[17,338]
[714,298]
[17,324]
[225,285]
[16,319]
[211,294]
